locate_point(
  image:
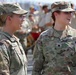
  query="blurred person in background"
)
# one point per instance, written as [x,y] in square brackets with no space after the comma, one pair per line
[45,20]
[42,17]
[33,17]
[73,22]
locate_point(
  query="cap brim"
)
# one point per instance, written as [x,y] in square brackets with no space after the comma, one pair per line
[67,10]
[20,12]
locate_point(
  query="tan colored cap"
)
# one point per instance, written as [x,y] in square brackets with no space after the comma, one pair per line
[61,6]
[13,8]
[2,11]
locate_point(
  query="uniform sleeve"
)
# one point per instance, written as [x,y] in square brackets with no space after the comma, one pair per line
[4,67]
[38,59]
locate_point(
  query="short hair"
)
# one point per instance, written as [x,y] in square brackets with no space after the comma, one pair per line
[44,6]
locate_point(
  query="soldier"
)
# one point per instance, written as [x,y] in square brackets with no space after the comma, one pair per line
[12,57]
[55,49]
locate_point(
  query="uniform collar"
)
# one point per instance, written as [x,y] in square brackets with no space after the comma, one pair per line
[56,33]
[61,34]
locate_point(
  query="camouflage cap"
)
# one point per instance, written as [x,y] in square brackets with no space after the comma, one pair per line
[61,6]
[2,11]
[13,8]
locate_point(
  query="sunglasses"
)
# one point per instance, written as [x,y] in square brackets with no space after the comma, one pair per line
[68,12]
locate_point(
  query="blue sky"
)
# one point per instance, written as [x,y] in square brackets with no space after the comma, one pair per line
[51,1]
[46,1]
[37,0]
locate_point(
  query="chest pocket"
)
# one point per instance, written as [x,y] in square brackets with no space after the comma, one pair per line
[65,50]
[65,47]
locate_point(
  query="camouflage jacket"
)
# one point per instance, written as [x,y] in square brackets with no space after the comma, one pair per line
[54,54]
[12,57]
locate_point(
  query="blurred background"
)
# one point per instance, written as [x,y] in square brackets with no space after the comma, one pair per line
[26,3]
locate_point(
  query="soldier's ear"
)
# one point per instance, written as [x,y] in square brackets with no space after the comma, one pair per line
[8,18]
[55,13]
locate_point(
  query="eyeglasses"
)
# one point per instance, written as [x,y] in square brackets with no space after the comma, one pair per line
[22,16]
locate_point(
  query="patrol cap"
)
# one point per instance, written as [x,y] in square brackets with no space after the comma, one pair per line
[61,6]
[13,8]
[2,11]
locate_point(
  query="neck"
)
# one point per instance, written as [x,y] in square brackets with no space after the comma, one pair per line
[8,30]
[60,27]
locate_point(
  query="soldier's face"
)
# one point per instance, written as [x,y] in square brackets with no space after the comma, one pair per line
[17,21]
[64,17]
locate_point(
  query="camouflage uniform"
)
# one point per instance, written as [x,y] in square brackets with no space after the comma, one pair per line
[55,50]
[23,40]
[55,54]
[12,57]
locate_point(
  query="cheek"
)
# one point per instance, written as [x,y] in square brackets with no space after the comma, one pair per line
[63,18]
[60,18]
[18,21]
